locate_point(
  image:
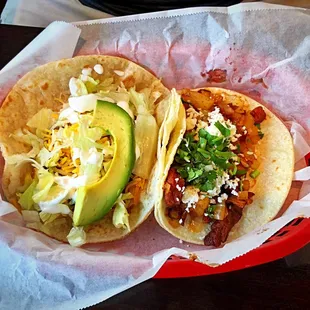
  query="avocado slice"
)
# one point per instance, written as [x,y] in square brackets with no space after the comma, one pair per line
[95,201]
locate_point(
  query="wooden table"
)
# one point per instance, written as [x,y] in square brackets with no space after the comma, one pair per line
[269,286]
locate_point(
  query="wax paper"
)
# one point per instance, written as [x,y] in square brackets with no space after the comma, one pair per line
[265,52]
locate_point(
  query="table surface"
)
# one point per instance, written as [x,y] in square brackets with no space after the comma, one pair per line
[283,284]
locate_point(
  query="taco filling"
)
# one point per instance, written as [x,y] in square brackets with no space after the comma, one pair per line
[67,153]
[215,167]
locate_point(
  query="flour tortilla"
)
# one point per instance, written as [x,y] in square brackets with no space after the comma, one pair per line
[47,87]
[271,189]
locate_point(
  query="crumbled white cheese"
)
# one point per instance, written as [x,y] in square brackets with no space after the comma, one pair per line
[216,116]
[224,196]
[190,197]
[180,241]
[232,184]
[213,201]
[220,180]
[98,68]
[234,193]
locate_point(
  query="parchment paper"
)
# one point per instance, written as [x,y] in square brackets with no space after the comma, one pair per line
[265,52]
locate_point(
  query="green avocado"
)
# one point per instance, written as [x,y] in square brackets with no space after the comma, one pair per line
[93,202]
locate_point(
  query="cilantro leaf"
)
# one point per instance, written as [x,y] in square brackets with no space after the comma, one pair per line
[208,186]
[224,155]
[224,131]
[204,153]
[202,142]
[194,174]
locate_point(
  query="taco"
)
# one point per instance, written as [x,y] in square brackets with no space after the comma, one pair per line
[82,139]
[229,168]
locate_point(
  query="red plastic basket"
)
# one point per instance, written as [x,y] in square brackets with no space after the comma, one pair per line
[287,240]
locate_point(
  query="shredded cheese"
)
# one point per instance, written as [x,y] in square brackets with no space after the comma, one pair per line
[135,187]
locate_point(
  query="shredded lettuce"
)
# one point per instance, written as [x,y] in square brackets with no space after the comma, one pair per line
[116,96]
[86,137]
[91,84]
[19,159]
[46,181]
[138,100]
[84,103]
[120,216]
[25,200]
[42,120]
[27,181]
[77,236]
[30,216]
[70,183]
[107,85]
[47,158]
[55,208]
[125,196]
[77,87]
[48,217]
[70,115]
[55,195]
[29,139]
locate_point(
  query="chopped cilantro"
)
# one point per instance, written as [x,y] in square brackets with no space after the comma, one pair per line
[204,153]
[208,186]
[210,211]
[241,172]
[225,155]
[233,170]
[202,142]
[224,131]
[254,174]
[194,155]
[194,174]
